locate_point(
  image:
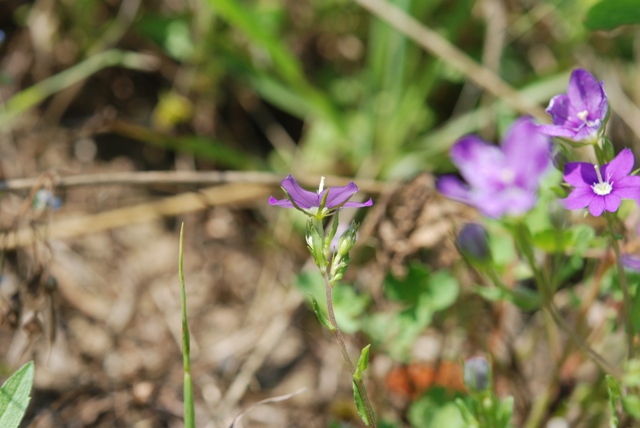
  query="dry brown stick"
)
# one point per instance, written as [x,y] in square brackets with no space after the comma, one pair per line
[167,207]
[447,52]
[182,177]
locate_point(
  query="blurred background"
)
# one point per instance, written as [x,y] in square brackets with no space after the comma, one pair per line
[221,99]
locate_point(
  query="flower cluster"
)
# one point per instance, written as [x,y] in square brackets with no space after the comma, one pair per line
[504,181]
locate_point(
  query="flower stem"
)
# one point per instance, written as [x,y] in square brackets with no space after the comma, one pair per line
[189,413]
[343,349]
[626,300]
[545,288]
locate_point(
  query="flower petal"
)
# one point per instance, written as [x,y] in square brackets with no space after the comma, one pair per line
[303,198]
[585,93]
[513,201]
[451,187]
[631,262]
[478,161]
[560,109]
[340,194]
[628,187]
[557,131]
[580,174]
[528,152]
[611,202]
[286,203]
[352,204]
[596,207]
[619,167]
[579,198]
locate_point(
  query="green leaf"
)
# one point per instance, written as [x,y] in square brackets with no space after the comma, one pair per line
[172,33]
[635,311]
[467,414]
[443,290]
[505,412]
[321,316]
[357,397]
[363,363]
[614,395]
[14,396]
[436,409]
[609,14]
[631,375]
[409,288]
[631,405]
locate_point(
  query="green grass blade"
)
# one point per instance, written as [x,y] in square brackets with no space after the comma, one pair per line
[14,396]
[189,412]
[30,97]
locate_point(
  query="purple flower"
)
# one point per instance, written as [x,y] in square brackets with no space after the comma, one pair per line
[601,189]
[499,180]
[320,204]
[580,112]
[477,373]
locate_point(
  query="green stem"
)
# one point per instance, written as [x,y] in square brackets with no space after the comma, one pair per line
[626,300]
[189,412]
[343,349]
[544,286]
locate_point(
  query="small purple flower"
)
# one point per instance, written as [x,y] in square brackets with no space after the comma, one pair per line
[320,204]
[500,180]
[601,189]
[580,112]
[477,373]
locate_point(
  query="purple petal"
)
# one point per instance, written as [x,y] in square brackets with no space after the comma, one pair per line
[586,93]
[527,151]
[286,203]
[632,262]
[560,110]
[351,204]
[580,174]
[451,187]
[619,167]
[478,161]
[557,131]
[513,201]
[627,187]
[596,207]
[584,131]
[612,202]
[579,198]
[303,198]
[339,195]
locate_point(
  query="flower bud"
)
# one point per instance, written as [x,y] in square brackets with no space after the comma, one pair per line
[315,243]
[347,239]
[477,374]
[473,243]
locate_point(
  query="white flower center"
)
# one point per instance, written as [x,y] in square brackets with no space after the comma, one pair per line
[583,117]
[601,188]
[508,176]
